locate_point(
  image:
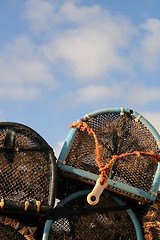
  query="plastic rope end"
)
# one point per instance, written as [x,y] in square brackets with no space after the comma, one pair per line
[93,197]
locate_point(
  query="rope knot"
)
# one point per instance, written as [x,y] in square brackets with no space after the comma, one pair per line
[138,154]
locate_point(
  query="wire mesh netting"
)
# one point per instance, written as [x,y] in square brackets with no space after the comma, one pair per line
[113,223]
[117,134]
[26,166]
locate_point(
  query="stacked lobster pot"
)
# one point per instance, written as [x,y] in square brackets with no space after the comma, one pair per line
[106,180]
[27,182]
[115,154]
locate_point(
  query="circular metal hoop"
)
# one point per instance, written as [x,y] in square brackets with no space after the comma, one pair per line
[111,218]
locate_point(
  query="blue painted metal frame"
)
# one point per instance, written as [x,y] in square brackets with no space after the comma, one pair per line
[151,195]
[86,192]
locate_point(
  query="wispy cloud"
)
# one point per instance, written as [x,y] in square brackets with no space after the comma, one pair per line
[150,44]
[97,93]
[23,71]
[154,119]
[92,47]
[40,15]
[86,43]
[123,92]
[90,41]
[19,93]
[142,94]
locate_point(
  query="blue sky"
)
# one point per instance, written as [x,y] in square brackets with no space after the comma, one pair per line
[62,59]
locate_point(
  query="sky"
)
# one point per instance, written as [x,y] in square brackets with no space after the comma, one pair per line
[60,60]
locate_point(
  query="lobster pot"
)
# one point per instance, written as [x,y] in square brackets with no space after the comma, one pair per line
[27,171]
[149,218]
[11,229]
[151,222]
[120,132]
[109,219]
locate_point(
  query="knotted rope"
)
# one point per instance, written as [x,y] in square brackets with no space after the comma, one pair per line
[83,126]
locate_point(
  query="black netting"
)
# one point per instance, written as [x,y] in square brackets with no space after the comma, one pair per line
[11,229]
[117,134]
[112,224]
[26,166]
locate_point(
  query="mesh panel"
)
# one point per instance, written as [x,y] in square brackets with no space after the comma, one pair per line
[11,229]
[26,167]
[94,225]
[117,134]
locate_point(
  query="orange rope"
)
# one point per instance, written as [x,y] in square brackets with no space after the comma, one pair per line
[82,126]
[155,158]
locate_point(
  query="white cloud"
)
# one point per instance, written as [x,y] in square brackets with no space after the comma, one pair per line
[23,72]
[98,93]
[124,92]
[140,94]
[150,44]
[154,119]
[44,15]
[80,15]
[19,93]
[91,46]
[40,14]
[95,94]
[85,52]
[88,42]
[32,71]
